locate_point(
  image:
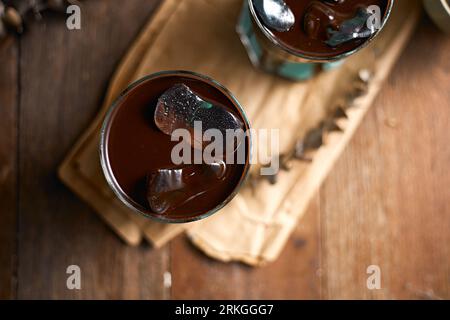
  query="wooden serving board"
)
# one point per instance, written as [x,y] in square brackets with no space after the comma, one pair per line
[199,35]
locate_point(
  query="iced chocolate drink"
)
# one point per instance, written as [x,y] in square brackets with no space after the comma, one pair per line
[288,37]
[148,164]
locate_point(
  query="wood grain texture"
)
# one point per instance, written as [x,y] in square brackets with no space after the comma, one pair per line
[295,275]
[386,202]
[8,168]
[63,78]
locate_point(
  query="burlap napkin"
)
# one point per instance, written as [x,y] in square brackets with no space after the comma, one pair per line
[199,35]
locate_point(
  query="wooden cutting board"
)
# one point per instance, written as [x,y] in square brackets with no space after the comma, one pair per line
[199,35]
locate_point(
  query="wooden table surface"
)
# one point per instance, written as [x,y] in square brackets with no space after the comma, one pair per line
[386,203]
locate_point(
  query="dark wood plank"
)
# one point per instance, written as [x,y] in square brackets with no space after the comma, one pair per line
[8,166]
[63,78]
[387,200]
[295,275]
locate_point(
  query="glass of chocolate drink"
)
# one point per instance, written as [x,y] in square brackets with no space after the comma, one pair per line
[162,151]
[297,38]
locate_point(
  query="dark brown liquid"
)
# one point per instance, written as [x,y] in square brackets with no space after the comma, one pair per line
[298,40]
[136,147]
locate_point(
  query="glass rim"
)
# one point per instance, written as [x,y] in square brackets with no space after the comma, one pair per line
[104,157]
[273,39]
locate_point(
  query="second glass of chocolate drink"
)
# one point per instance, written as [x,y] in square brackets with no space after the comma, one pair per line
[297,38]
[148,165]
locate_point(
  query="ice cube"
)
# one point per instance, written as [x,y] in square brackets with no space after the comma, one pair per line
[275,14]
[319,17]
[326,23]
[170,188]
[353,28]
[179,108]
